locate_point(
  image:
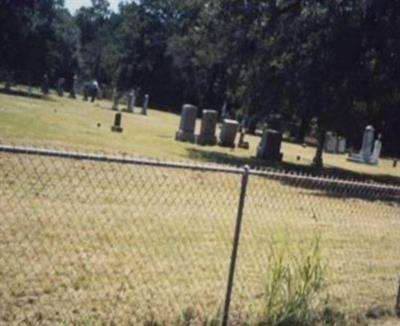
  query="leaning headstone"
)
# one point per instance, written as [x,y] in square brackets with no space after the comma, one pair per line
[117,123]
[60,86]
[228,133]
[187,124]
[208,126]
[145,104]
[131,101]
[270,146]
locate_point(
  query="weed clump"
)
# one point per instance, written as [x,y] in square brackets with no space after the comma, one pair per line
[293,287]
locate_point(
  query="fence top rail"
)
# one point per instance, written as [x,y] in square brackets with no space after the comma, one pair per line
[120,159]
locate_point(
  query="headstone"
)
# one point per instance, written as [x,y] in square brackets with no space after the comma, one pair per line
[45,85]
[367,143]
[117,123]
[131,101]
[376,153]
[270,146]
[341,149]
[72,93]
[228,133]
[187,124]
[145,104]
[60,86]
[331,142]
[334,144]
[370,150]
[208,126]
[30,90]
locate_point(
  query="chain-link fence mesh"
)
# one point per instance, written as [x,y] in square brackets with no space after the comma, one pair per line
[92,241]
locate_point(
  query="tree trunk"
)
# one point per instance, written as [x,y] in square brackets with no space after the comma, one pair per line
[303,128]
[318,161]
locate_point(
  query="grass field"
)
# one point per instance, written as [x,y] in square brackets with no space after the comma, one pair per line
[68,123]
[91,243]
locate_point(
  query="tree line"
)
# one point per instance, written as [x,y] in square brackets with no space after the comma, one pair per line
[302,65]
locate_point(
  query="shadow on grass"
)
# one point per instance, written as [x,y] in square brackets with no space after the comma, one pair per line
[15,92]
[328,187]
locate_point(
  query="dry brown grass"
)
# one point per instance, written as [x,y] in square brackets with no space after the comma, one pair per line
[92,243]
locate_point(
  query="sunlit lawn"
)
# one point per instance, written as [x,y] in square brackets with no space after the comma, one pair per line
[74,124]
[97,243]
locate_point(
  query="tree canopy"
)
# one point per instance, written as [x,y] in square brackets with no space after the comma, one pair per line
[334,64]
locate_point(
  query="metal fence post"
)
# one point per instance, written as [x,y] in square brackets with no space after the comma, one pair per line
[397,306]
[235,246]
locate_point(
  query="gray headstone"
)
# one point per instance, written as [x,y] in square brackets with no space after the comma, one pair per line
[187,124]
[145,104]
[208,126]
[131,101]
[331,142]
[342,144]
[270,146]
[376,153]
[228,133]
[367,143]
[366,154]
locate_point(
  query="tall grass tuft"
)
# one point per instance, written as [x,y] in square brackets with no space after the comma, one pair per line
[293,286]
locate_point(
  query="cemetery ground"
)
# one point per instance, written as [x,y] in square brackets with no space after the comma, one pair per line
[117,248]
[77,125]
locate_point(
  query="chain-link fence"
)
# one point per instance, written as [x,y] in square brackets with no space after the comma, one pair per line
[94,239]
